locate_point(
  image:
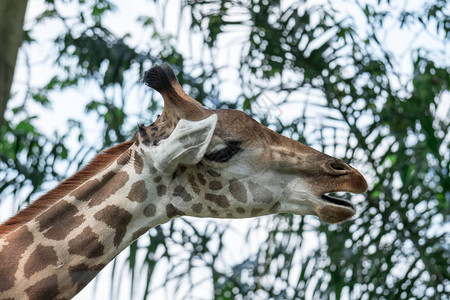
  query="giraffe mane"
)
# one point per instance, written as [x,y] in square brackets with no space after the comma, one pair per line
[101,161]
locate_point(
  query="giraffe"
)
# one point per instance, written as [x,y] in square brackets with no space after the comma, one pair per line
[191,161]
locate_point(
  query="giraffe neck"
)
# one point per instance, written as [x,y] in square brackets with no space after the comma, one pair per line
[58,252]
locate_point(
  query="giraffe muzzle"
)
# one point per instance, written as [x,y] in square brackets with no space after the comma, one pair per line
[336,210]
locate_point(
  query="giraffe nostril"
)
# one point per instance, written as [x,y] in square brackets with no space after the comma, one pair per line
[338,167]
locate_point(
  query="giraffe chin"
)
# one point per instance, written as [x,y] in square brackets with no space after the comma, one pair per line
[334,210]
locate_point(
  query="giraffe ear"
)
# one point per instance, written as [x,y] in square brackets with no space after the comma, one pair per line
[186,145]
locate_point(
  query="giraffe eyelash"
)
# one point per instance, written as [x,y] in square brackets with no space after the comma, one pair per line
[225,154]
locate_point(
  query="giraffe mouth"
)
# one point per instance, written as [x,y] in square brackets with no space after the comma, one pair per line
[335,210]
[338,201]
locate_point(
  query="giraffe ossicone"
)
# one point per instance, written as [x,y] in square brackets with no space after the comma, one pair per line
[191,161]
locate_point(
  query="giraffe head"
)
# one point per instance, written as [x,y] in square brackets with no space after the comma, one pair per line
[223,163]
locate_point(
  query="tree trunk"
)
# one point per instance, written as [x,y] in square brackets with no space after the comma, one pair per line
[12,13]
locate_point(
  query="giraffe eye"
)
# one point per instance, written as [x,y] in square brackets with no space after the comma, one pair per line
[225,154]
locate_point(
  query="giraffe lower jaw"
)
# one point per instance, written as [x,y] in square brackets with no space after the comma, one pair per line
[337,201]
[334,210]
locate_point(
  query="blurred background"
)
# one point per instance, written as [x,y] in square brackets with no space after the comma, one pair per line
[364,80]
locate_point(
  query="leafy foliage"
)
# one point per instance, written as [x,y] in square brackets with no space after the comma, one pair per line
[372,115]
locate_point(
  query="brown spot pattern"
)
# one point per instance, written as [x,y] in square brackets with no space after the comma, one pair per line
[193,183]
[213,211]
[84,192]
[96,191]
[41,258]
[215,185]
[240,210]
[124,158]
[161,190]
[116,218]
[138,192]
[157,179]
[260,193]
[201,179]
[82,274]
[45,289]
[238,191]
[172,211]
[139,232]
[138,163]
[59,220]
[220,200]
[213,173]
[197,207]
[10,255]
[86,244]
[256,211]
[180,191]
[150,210]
